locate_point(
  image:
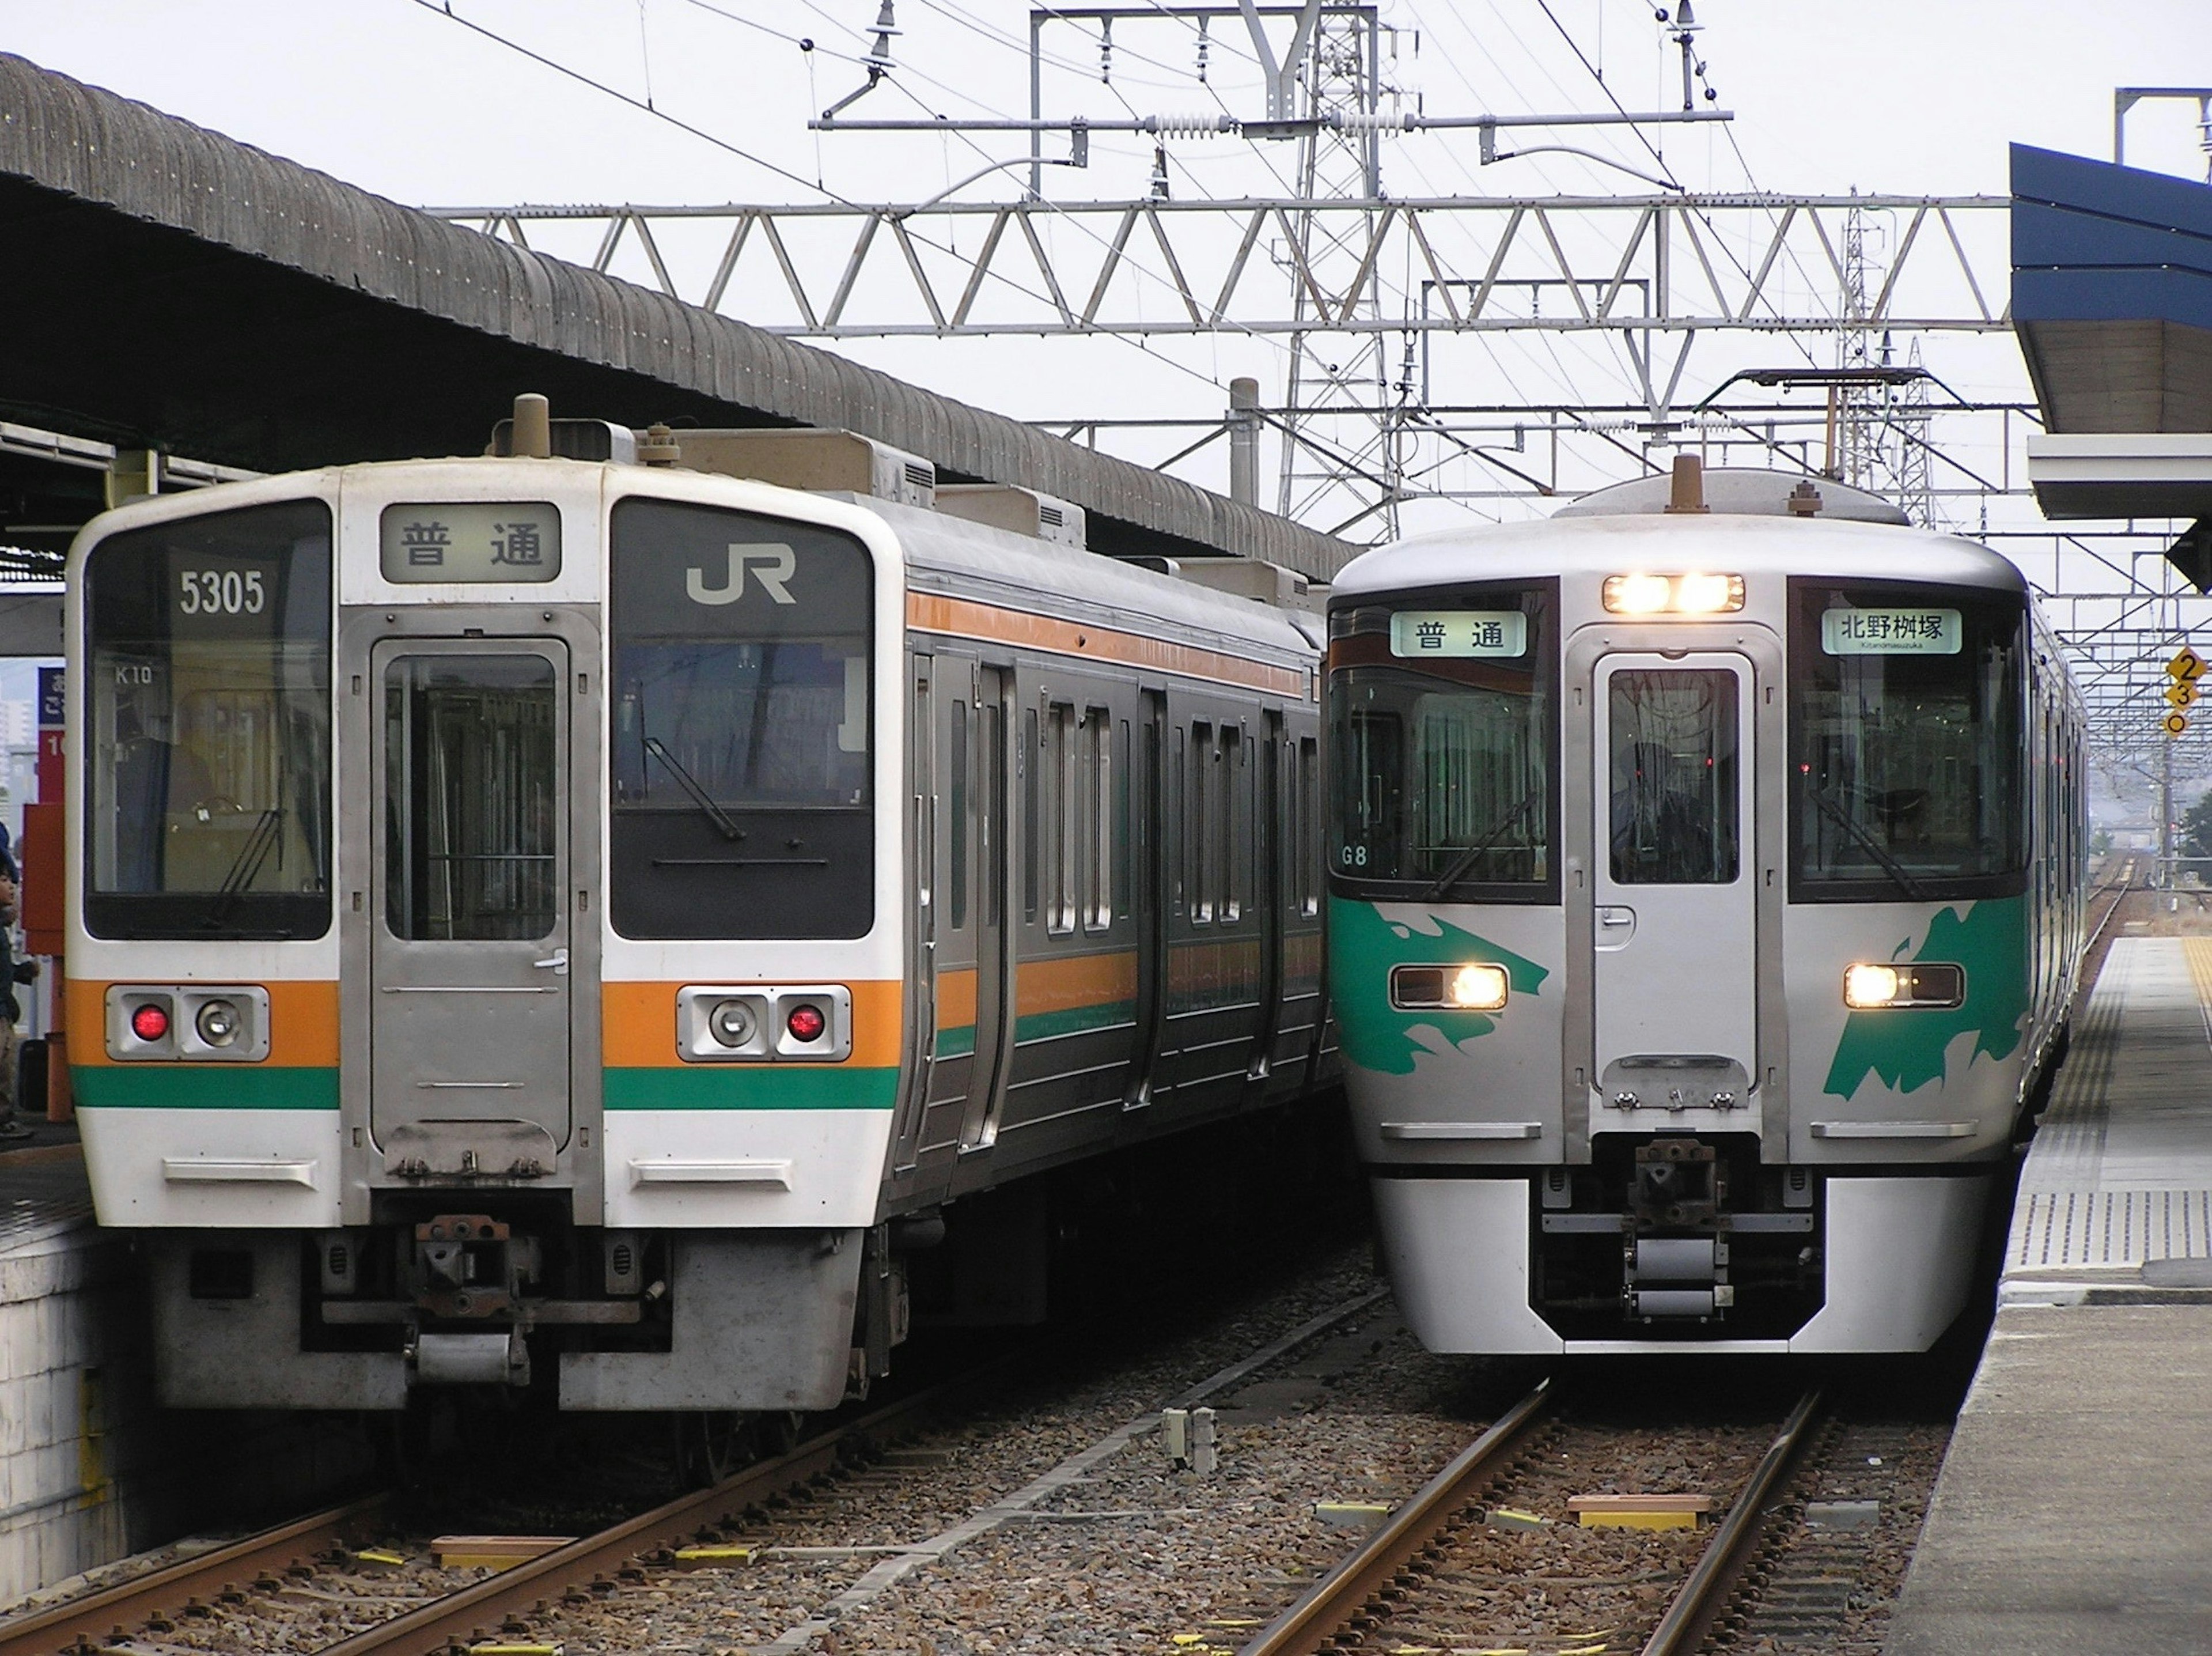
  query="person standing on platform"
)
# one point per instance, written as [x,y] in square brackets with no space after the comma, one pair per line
[12,973]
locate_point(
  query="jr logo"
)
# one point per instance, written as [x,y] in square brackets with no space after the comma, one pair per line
[772,567]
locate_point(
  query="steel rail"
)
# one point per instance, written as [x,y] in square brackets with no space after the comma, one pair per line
[459,1617]
[1329,1607]
[84,1622]
[1689,1617]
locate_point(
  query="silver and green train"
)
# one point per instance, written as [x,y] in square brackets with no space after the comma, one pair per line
[1706,901]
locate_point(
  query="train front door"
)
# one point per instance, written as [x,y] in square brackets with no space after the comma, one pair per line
[1675,922]
[469,988]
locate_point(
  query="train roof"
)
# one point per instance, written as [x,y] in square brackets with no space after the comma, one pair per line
[1026,574]
[1719,542]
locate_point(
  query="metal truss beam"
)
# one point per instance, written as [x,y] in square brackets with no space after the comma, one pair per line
[1634,265]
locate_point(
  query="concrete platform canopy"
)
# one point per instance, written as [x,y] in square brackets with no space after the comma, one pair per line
[173,288]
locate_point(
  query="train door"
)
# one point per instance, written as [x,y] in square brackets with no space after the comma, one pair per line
[1675,971]
[924,901]
[469,994]
[1269,823]
[996,927]
[948,1035]
[1149,903]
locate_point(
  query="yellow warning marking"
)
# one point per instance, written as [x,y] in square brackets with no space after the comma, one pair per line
[1233,1621]
[2199,953]
[378,1555]
[718,1555]
[494,1552]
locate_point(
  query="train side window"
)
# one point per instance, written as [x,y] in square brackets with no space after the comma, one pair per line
[1235,805]
[1063,816]
[1120,761]
[956,765]
[1031,762]
[1198,820]
[1098,827]
[1305,849]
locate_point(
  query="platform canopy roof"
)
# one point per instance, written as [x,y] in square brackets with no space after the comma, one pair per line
[2111,298]
[170,288]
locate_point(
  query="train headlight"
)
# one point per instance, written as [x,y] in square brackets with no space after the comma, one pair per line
[733,1023]
[1694,593]
[1479,987]
[218,1022]
[1869,985]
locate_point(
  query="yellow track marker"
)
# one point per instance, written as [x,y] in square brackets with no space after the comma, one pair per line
[699,1557]
[497,1552]
[1680,1512]
[378,1555]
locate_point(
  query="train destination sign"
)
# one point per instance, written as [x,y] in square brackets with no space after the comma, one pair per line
[1416,633]
[472,541]
[1848,631]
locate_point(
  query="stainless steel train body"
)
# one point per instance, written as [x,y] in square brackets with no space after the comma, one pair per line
[585,922]
[1705,897]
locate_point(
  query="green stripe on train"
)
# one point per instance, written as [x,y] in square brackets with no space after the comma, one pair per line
[956,1042]
[203,1086]
[750,1087]
[1075,1021]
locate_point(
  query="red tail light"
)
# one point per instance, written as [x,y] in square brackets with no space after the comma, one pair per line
[150,1022]
[805,1023]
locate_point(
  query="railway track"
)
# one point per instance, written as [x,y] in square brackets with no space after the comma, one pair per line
[338,1584]
[1425,1578]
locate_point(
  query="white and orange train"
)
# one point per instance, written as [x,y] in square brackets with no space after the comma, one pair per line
[584,923]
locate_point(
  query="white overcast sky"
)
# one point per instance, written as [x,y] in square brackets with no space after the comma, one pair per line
[1918,96]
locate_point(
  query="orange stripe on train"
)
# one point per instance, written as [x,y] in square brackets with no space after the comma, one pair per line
[303,1022]
[959,618]
[638,1024]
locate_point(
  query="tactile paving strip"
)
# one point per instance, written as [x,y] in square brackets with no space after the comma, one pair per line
[2121,1170]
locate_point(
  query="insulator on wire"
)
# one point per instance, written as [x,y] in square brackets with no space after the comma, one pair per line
[1204,46]
[1106,50]
[1186,125]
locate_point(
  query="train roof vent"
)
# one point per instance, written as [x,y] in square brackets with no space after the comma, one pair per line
[575,439]
[1255,578]
[820,461]
[1024,511]
[1741,491]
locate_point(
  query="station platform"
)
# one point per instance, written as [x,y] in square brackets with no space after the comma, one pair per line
[2074,1505]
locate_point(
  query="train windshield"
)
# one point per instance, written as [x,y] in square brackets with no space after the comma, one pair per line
[741,741]
[1905,742]
[1443,722]
[208,761]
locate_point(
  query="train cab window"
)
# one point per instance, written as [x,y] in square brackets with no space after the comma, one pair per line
[1675,819]
[741,726]
[208,740]
[1444,732]
[1907,773]
[472,773]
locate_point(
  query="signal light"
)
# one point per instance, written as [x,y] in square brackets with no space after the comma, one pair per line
[805,1023]
[150,1022]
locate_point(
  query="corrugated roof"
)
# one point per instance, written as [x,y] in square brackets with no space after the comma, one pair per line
[196,294]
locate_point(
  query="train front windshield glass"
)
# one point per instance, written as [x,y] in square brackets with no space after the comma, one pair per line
[1906,739]
[208,760]
[741,741]
[1444,724]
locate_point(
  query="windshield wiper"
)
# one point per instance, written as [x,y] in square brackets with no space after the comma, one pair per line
[1465,859]
[247,864]
[1873,847]
[724,823]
